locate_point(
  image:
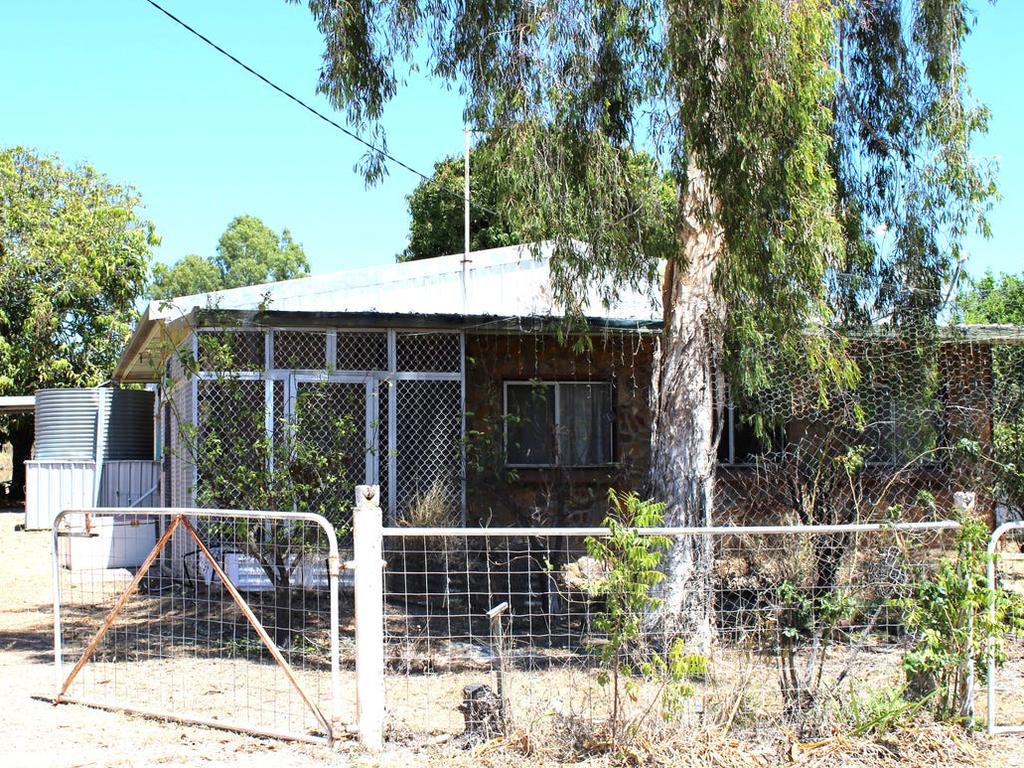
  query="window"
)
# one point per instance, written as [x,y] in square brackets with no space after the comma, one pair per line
[897,432]
[556,423]
[740,444]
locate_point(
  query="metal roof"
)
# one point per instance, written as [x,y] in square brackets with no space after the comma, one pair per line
[513,281]
[17,404]
[500,283]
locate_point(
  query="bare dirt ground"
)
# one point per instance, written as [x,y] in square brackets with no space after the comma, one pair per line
[39,734]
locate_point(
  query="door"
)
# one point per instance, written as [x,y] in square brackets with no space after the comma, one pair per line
[335,429]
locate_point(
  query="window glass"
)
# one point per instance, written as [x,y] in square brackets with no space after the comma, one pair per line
[530,436]
[740,443]
[559,423]
[585,422]
[895,431]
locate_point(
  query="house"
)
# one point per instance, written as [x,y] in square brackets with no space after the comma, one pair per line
[447,382]
[437,362]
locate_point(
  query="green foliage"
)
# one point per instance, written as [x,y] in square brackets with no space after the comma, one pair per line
[997,301]
[300,465]
[73,258]
[248,253]
[877,712]
[632,560]
[807,622]
[994,300]
[830,149]
[956,620]
[436,208]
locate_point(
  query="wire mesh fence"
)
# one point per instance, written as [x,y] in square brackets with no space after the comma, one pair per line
[799,623]
[1005,700]
[243,634]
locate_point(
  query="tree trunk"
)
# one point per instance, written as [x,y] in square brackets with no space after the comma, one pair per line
[22,438]
[687,390]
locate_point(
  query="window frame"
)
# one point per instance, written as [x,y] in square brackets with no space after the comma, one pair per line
[729,434]
[896,457]
[556,385]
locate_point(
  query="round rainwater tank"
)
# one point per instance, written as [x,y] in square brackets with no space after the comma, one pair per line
[66,424]
[127,415]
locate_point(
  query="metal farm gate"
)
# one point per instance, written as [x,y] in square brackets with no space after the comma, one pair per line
[247,640]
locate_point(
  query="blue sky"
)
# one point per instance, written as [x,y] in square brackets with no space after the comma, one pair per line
[115,84]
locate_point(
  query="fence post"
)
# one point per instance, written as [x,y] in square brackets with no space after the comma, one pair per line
[369,609]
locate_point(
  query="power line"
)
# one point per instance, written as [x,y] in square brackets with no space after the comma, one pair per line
[313,110]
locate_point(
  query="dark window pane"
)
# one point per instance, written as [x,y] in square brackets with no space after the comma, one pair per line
[231,350]
[746,444]
[531,424]
[585,424]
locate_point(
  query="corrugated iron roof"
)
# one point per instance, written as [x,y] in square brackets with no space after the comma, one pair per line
[501,283]
[514,281]
[17,404]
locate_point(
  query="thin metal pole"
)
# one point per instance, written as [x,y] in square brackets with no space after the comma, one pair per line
[161,714]
[720,530]
[58,641]
[333,583]
[465,221]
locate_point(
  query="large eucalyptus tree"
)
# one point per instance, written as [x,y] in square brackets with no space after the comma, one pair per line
[820,148]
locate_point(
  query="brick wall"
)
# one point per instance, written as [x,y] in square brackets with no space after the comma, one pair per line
[500,495]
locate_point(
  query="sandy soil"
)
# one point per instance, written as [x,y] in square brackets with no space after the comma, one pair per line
[40,734]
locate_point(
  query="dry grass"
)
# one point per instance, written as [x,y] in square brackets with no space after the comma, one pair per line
[38,734]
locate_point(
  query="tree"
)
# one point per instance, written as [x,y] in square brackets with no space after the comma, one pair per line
[1000,301]
[820,151]
[248,253]
[436,205]
[994,300]
[73,260]
[435,209]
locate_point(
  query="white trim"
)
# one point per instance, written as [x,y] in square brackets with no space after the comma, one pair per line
[268,417]
[462,437]
[332,350]
[392,456]
[370,470]
[189,494]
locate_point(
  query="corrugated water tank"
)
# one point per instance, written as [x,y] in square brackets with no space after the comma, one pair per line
[66,424]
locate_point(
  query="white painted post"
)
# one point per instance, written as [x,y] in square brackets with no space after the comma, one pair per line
[369,609]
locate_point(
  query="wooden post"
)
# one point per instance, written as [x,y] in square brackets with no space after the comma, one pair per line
[369,609]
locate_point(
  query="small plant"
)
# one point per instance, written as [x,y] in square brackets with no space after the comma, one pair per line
[809,623]
[879,711]
[430,508]
[956,621]
[631,561]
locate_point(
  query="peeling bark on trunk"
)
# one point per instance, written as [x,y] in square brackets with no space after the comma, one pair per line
[687,384]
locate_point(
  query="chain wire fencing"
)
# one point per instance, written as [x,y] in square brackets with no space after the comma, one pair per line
[251,409]
[237,627]
[802,624]
[1005,699]
[294,419]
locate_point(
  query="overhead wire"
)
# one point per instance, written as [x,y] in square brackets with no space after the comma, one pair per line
[306,106]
